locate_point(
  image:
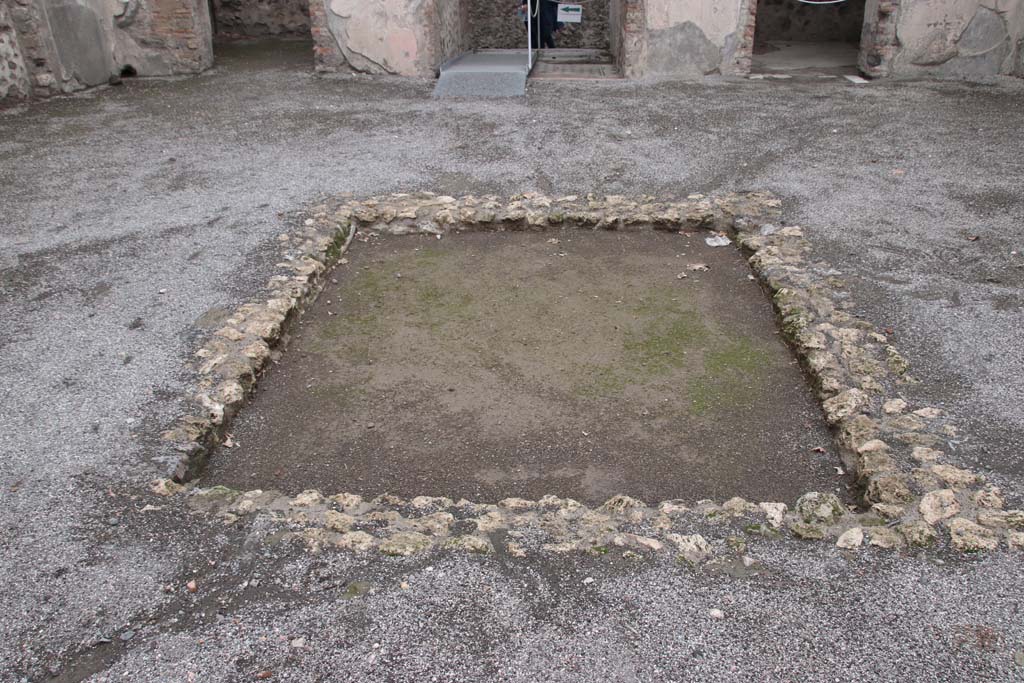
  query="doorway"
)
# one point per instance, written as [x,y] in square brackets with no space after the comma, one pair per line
[582,41]
[801,37]
[235,19]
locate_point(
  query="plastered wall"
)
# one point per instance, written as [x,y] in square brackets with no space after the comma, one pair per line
[68,45]
[382,37]
[692,39]
[959,38]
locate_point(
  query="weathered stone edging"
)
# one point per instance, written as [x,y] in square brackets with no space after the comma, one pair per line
[911,496]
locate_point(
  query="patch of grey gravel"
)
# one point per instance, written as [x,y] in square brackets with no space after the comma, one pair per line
[811,615]
[177,185]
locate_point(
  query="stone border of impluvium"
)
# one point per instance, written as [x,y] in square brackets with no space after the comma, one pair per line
[896,452]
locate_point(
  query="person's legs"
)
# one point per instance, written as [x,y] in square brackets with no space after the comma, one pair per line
[548,22]
[547,35]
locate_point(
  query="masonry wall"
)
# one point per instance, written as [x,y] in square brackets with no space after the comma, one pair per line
[68,45]
[14,77]
[453,27]
[163,37]
[958,38]
[918,38]
[289,18]
[692,39]
[494,24]
[403,37]
[799,21]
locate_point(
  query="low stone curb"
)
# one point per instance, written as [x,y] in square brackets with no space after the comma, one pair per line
[895,451]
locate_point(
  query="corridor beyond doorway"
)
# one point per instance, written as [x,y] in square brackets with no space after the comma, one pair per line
[797,36]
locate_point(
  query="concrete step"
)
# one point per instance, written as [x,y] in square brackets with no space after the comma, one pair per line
[484,73]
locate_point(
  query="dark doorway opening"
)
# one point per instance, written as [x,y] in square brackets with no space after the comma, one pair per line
[795,36]
[244,19]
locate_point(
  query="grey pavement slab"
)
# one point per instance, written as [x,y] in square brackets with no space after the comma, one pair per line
[488,73]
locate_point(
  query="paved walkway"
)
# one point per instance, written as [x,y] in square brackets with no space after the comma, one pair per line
[132,215]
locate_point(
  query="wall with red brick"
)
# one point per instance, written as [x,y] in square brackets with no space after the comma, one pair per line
[164,37]
[68,45]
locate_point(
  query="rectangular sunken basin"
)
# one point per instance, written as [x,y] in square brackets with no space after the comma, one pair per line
[575,362]
[482,364]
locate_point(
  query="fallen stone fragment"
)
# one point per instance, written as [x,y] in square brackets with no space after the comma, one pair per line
[338,521]
[918,533]
[359,541]
[308,498]
[694,548]
[490,521]
[884,537]
[887,510]
[894,406]
[517,504]
[823,508]
[851,538]
[969,537]
[716,614]
[844,405]
[673,507]
[515,549]
[1015,540]
[347,501]
[636,541]
[738,506]
[988,497]
[774,512]
[434,524]
[923,454]
[471,544]
[426,502]
[888,488]
[630,508]
[955,477]
[165,487]
[936,506]
[873,446]
[807,530]
[404,543]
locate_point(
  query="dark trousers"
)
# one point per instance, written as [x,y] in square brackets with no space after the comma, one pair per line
[543,25]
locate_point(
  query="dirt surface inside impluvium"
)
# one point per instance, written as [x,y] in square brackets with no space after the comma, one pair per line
[573,363]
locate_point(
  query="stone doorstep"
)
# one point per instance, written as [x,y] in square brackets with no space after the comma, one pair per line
[910,497]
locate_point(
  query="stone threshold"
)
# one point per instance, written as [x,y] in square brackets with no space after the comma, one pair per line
[910,496]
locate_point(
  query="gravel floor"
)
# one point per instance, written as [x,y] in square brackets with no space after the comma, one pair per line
[130,213]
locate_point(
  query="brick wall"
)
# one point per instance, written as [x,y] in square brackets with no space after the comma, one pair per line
[628,36]
[61,41]
[326,52]
[174,36]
